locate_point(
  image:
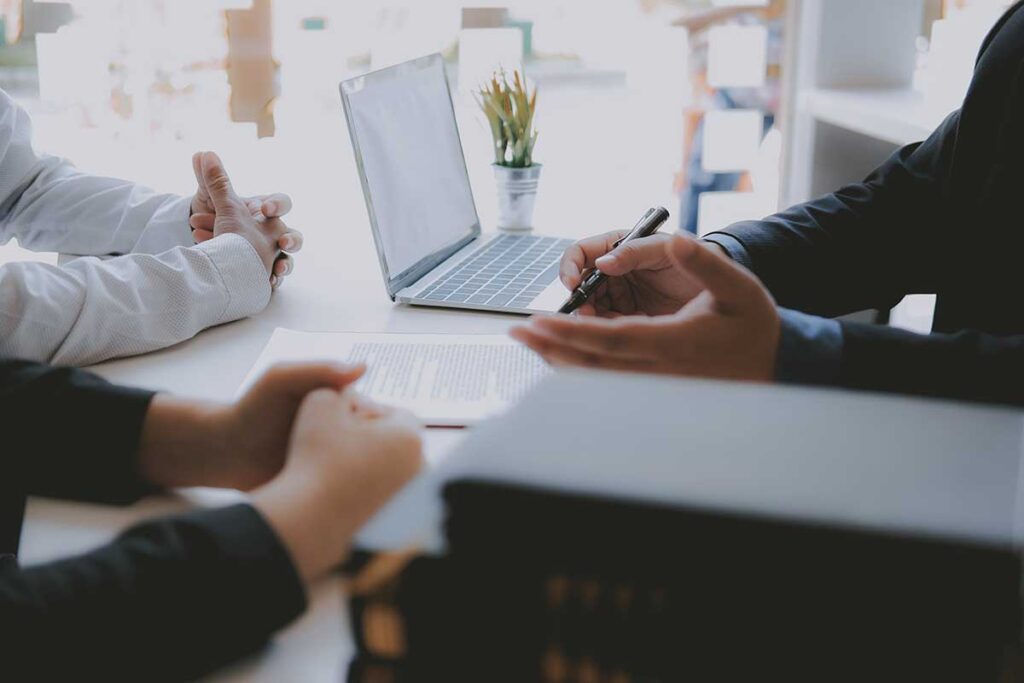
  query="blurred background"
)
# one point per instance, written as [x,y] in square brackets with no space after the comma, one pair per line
[133,87]
[714,108]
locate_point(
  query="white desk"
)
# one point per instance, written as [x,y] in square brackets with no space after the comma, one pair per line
[336,286]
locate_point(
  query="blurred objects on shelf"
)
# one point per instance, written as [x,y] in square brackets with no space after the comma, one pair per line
[955,42]
[484,17]
[252,70]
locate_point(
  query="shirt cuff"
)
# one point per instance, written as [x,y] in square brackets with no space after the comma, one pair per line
[732,246]
[242,272]
[810,349]
[167,228]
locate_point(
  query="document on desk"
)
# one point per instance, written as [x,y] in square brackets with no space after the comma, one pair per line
[447,380]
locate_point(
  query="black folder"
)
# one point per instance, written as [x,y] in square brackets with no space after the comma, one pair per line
[537,585]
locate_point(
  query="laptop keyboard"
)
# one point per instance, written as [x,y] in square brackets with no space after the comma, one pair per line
[508,272]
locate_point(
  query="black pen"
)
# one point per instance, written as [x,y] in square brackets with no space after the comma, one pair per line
[648,225]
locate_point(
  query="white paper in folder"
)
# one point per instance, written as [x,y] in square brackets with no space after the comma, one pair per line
[447,380]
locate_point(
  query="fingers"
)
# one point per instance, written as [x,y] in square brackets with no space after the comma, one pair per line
[401,419]
[276,205]
[202,221]
[582,255]
[255,207]
[291,241]
[283,266]
[557,352]
[326,406]
[730,284]
[197,168]
[299,379]
[620,297]
[625,338]
[643,254]
[222,195]
[201,236]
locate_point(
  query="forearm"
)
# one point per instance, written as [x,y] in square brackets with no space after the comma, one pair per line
[90,310]
[966,366]
[190,593]
[65,210]
[48,205]
[184,443]
[316,518]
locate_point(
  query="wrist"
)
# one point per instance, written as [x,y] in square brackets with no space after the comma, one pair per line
[183,443]
[264,250]
[716,247]
[309,518]
[242,272]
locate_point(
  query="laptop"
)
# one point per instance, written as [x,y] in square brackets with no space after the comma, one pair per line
[432,250]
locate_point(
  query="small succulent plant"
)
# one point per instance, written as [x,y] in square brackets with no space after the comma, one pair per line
[509,109]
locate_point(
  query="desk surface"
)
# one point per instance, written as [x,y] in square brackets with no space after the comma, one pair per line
[337,286]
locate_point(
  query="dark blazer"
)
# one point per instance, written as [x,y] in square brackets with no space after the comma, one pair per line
[945,217]
[167,600]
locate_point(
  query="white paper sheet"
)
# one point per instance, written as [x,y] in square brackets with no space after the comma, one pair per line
[447,380]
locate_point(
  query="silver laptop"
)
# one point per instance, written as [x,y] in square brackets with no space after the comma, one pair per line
[432,250]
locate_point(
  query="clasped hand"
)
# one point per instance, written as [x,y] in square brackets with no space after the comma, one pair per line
[319,458]
[216,209]
[671,305]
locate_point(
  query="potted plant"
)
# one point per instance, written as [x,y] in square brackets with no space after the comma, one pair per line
[509,109]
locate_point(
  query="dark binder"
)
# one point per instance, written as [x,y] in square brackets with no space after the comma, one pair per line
[541,586]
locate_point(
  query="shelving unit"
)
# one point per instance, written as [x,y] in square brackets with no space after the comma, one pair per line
[849,101]
[896,115]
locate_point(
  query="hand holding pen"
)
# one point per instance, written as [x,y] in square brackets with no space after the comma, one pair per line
[647,226]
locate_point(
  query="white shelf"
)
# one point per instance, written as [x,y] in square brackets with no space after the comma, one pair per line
[899,116]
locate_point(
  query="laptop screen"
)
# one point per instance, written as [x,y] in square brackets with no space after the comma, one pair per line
[410,160]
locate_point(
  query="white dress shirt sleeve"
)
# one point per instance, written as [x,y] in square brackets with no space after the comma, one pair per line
[49,205]
[91,310]
[161,291]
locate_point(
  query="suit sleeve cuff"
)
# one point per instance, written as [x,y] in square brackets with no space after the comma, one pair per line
[242,273]
[732,246]
[107,421]
[810,349]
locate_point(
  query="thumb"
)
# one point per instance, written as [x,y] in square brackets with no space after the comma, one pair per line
[197,168]
[642,254]
[218,185]
[730,284]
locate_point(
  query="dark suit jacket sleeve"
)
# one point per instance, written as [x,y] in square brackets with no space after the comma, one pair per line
[864,246]
[168,600]
[967,365]
[71,434]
